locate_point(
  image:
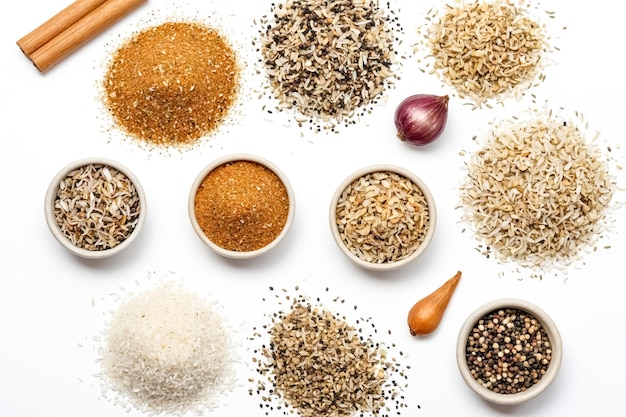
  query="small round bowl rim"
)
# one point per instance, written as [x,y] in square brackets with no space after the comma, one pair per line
[50,197]
[233,158]
[555,342]
[432,208]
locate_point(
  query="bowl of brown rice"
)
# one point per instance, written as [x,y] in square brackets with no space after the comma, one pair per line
[95,207]
[241,206]
[382,217]
[509,351]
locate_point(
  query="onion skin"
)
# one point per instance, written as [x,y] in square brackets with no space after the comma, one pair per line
[425,315]
[421,118]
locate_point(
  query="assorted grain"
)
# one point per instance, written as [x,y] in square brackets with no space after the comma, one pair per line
[486,50]
[167,350]
[508,351]
[382,217]
[96,207]
[537,191]
[172,84]
[536,194]
[328,60]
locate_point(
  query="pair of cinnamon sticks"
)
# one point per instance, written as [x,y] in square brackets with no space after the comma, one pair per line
[71,28]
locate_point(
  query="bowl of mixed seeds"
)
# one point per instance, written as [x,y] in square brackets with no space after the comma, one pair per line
[241,206]
[509,351]
[95,207]
[382,217]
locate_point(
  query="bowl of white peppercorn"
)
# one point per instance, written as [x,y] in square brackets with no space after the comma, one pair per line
[382,217]
[509,351]
[95,207]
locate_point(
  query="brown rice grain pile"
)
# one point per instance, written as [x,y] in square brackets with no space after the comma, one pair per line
[486,49]
[172,84]
[537,193]
[328,60]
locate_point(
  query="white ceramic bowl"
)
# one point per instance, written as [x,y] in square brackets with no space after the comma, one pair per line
[55,228]
[234,254]
[383,266]
[555,344]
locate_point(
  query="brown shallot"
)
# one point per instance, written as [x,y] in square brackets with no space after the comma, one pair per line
[426,314]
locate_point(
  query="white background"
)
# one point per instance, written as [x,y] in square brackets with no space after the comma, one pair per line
[52,304]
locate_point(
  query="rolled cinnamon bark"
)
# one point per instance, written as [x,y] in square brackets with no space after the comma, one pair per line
[81,32]
[57,24]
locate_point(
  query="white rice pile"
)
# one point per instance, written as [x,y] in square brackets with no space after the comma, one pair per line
[166,350]
[537,193]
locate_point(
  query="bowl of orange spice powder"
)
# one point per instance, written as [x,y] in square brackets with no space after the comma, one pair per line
[241,206]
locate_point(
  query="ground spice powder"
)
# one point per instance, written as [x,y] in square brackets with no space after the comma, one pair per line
[172,84]
[241,206]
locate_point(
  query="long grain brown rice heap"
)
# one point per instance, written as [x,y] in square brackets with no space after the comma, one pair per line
[328,59]
[486,49]
[536,192]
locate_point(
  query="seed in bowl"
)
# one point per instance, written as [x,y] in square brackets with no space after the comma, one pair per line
[382,217]
[508,351]
[96,207]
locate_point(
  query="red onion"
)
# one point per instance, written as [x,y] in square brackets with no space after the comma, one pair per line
[421,118]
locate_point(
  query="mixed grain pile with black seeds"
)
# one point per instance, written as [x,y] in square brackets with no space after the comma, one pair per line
[486,49]
[317,364]
[537,192]
[172,84]
[328,60]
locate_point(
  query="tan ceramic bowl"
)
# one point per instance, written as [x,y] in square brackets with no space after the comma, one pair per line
[55,228]
[361,260]
[536,389]
[234,254]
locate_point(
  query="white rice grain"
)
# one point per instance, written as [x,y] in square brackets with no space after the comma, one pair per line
[167,351]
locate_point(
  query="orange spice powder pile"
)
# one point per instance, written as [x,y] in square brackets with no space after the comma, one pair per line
[172,84]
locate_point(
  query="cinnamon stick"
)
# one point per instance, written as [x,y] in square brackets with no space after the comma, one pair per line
[81,32]
[57,24]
